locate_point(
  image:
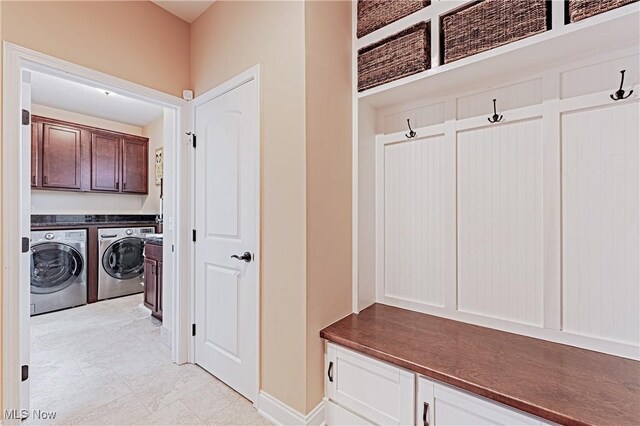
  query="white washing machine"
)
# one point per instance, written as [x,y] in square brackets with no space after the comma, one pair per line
[120,253]
[58,270]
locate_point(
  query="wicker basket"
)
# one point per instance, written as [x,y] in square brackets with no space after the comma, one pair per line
[397,56]
[375,14]
[581,9]
[489,24]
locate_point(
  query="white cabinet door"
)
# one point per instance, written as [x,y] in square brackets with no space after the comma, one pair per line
[338,416]
[601,222]
[381,393]
[449,406]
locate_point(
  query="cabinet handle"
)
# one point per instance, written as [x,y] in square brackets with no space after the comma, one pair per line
[425,414]
[46,179]
[124,186]
[330,371]
[33,180]
[117,186]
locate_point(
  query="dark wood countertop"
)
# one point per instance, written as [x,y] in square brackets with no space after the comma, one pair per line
[557,382]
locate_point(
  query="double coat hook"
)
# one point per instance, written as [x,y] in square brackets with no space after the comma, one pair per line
[495,118]
[411,133]
[619,94]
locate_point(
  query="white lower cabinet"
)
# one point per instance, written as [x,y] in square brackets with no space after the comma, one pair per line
[361,390]
[439,404]
[372,391]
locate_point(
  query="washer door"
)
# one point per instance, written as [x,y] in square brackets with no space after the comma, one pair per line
[54,267]
[124,258]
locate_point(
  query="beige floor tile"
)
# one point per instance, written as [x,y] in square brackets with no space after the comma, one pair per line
[104,364]
[124,411]
[174,414]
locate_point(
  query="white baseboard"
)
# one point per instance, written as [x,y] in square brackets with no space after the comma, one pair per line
[280,413]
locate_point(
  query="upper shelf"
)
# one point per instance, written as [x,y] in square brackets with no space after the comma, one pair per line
[612,30]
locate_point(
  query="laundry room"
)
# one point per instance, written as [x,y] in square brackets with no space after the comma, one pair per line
[96,248]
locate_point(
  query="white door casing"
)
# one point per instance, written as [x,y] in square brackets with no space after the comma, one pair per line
[226,218]
[25,227]
[17,63]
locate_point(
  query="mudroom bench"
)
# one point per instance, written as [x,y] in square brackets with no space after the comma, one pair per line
[388,365]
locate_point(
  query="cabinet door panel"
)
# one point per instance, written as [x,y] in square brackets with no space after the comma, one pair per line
[134,166]
[36,179]
[61,157]
[159,290]
[377,391]
[601,222]
[105,162]
[150,284]
[455,407]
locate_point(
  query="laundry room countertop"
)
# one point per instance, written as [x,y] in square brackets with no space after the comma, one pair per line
[46,220]
[154,239]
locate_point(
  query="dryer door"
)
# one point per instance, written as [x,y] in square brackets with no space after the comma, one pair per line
[124,258]
[54,267]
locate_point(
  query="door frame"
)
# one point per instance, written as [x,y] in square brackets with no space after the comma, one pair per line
[15,177]
[246,76]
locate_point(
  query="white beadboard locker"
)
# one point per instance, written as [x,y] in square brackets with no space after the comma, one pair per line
[531,224]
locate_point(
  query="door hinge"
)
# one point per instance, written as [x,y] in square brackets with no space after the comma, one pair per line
[26,242]
[193,138]
[194,235]
[26,117]
[193,329]
[25,373]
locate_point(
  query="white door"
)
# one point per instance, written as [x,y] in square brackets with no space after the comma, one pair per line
[25,257]
[226,213]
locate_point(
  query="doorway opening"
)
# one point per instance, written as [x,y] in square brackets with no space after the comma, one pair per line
[120,328]
[81,200]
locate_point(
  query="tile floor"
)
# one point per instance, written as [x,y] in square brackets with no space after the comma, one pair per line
[103,364]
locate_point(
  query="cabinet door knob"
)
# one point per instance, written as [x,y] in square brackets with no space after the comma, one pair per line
[425,414]
[46,179]
[330,371]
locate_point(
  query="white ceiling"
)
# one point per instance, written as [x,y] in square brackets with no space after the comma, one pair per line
[67,95]
[185,9]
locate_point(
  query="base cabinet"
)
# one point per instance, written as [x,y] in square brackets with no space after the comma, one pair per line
[439,404]
[360,390]
[153,279]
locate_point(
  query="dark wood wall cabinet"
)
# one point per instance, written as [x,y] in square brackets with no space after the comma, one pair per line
[72,157]
[153,278]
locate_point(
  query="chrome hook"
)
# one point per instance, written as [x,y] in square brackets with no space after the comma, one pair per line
[619,95]
[411,134]
[495,118]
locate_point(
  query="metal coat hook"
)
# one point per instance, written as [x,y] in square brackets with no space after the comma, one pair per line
[411,134]
[619,95]
[495,118]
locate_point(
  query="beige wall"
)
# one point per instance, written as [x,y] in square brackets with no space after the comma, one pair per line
[155,132]
[328,145]
[304,49]
[136,41]
[227,39]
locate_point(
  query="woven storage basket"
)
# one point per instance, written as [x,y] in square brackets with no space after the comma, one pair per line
[375,14]
[489,24]
[581,9]
[397,56]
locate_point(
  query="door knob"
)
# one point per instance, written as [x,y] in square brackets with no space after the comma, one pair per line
[246,257]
